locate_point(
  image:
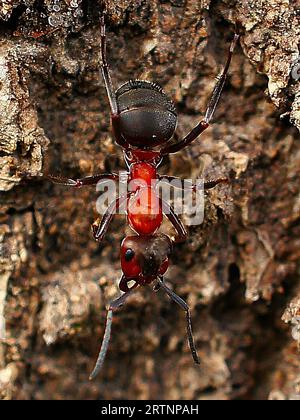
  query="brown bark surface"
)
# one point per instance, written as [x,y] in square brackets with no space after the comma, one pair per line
[239,270]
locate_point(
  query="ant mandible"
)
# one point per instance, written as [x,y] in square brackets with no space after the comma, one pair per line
[144,119]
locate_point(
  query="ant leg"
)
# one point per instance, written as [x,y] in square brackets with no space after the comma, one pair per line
[214,100]
[196,131]
[176,222]
[107,333]
[78,183]
[105,71]
[100,230]
[177,299]
[207,185]
[110,89]
[215,97]
[213,182]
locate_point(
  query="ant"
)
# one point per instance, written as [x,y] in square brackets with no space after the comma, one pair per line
[143,120]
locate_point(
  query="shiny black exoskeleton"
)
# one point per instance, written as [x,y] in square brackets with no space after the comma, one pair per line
[147,117]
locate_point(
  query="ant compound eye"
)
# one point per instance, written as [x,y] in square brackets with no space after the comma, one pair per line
[129,254]
[130,250]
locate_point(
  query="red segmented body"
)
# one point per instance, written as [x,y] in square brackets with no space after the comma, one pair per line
[144,119]
[144,210]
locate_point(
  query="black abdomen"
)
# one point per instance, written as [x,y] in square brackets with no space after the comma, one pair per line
[147,116]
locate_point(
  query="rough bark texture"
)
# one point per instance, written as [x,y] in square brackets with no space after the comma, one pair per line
[239,270]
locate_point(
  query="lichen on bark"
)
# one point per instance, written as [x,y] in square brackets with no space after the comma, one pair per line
[239,270]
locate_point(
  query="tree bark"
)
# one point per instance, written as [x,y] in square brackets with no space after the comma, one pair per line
[238,271]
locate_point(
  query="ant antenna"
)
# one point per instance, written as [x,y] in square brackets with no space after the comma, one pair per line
[105,342]
[104,345]
[177,299]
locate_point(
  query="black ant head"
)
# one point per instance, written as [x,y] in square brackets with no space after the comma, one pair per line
[144,258]
[147,117]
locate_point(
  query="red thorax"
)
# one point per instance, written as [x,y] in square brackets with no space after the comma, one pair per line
[144,209]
